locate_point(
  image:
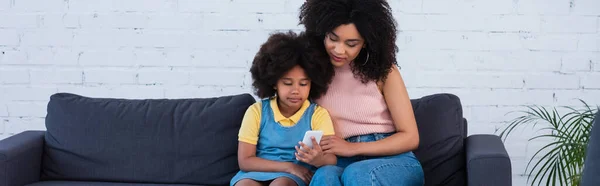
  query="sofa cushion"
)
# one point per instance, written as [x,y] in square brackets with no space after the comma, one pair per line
[442,130]
[187,141]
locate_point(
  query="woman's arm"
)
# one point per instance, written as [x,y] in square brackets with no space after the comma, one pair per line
[406,137]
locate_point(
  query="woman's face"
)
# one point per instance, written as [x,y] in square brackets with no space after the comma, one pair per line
[343,44]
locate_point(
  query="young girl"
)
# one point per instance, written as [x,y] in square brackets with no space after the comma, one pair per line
[375,125]
[286,73]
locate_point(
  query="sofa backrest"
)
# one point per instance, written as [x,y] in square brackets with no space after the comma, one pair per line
[192,141]
[442,131]
[591,166]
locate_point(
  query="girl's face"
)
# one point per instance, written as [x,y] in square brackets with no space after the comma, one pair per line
[293,89]
[343,44]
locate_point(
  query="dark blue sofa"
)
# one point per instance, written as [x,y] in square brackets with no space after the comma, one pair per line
[106,141]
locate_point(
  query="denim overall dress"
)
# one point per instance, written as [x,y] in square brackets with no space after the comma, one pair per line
[276,142]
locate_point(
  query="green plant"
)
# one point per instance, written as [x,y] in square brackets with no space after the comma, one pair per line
[562,162]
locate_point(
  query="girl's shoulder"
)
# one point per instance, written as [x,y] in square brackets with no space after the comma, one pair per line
[318,109]
[255,108]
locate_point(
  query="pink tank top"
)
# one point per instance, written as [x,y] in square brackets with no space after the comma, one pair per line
[355,108]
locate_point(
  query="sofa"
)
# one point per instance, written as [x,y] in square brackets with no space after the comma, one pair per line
[112,141]
[591,166]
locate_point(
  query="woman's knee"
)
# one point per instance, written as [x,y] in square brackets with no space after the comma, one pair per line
[355,170]
[329,170]
[327,175]
[382,172]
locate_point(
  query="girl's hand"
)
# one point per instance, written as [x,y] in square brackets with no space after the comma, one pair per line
[338,146]
[313,156]
[300,171]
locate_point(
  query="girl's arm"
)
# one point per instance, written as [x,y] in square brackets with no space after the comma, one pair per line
[321,120]
[406,137]
[248,137]
[329,159]
[315,156]
[249,162]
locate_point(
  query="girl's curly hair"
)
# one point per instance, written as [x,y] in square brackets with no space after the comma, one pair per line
[373,20]
[283,51]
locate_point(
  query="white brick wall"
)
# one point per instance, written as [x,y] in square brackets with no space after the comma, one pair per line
[495,55]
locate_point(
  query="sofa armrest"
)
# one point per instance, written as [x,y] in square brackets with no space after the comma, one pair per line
[488,162]
[21,158]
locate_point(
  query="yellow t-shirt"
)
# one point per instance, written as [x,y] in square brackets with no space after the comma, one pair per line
[251,123]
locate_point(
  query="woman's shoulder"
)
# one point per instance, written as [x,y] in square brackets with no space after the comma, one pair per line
[393,75]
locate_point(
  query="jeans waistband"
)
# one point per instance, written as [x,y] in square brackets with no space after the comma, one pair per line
[368,137]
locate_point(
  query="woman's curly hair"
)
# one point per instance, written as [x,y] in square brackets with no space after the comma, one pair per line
[282,52]
[373,20]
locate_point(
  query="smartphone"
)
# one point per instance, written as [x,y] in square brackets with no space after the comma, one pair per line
[312,133]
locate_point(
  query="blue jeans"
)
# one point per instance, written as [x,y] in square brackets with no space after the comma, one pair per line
[402,169]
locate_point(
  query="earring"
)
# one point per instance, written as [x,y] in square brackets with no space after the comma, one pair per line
[366,59]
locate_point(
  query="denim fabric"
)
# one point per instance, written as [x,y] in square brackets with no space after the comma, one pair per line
[402,169]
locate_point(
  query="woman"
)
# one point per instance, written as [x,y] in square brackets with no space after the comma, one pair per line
[373,118]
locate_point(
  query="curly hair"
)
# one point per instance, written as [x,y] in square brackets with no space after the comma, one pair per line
[373,20]
[282,52]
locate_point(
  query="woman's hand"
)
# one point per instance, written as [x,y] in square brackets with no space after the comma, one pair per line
[300,171]
[313,156]
[338,146]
